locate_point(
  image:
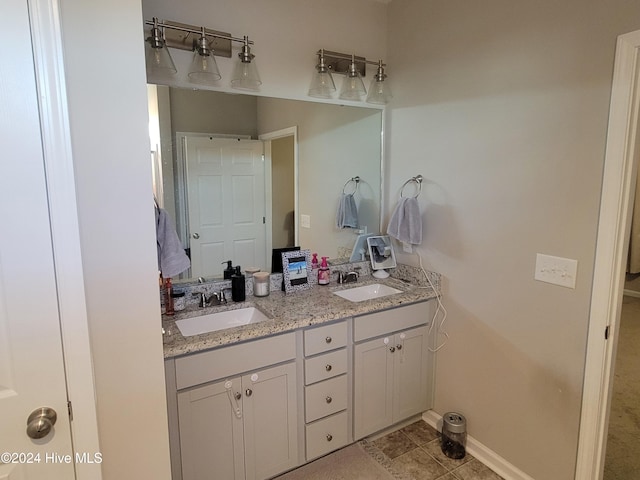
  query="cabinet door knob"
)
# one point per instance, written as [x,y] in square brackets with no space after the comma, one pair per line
[248,392]
[328,339]
[238,395]
[328,368]
[329,437]
[399,347]
[392,349]
[329,399]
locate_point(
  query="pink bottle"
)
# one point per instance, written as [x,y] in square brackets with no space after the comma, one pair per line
[324,274]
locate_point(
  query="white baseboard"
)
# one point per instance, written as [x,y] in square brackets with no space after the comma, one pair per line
[487,456]
[631,293]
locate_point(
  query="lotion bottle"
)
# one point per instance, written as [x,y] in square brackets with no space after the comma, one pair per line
[324,274]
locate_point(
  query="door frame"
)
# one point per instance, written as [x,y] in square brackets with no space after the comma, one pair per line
[616,206]
[267,138]
[46,33]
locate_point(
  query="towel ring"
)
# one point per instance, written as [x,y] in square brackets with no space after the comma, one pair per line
[355,180]
[417,179]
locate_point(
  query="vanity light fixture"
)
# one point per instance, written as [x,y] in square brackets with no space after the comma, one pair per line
[322,85]
[379,90]
[205,43]
[245,73]
[204,68]
[352,88]
[158,58]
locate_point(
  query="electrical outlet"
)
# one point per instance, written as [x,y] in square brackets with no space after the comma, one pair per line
[556,270]
[305,221]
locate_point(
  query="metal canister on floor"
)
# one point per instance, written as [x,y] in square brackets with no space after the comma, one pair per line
[454,435]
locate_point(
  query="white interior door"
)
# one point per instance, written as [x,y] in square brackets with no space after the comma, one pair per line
[226,198]
[31,362]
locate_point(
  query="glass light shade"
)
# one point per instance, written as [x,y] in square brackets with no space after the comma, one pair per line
[379,91]
[158,60]
[204,69]
[322,85]
[245,76]
[352,86]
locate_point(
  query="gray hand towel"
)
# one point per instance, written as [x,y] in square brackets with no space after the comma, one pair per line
[347,213]
[171,257]
[406,222]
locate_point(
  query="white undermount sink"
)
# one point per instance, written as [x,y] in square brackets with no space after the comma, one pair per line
[367,292]
[219,321]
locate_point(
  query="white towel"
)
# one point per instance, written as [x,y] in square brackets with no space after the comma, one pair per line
[172,260]
[406,222]
[347,213]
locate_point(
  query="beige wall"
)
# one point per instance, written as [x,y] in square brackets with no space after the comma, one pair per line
[503,106]
[334,145]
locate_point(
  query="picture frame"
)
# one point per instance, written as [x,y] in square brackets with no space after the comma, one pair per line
[296,268]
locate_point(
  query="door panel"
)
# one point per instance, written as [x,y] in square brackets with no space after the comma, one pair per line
[226,197]
[270,421]
[211,437]
[31,360]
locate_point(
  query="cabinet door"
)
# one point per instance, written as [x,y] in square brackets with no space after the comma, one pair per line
[270,421]
[373,387]
[211,435]
[410,362]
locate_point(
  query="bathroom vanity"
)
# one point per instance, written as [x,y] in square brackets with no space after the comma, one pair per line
[254,401]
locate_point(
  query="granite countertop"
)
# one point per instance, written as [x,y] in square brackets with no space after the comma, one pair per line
[288,312]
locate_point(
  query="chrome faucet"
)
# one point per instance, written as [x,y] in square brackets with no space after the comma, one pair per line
[216,298]
[348,277]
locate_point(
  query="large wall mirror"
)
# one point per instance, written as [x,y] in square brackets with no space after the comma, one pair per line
[242,174]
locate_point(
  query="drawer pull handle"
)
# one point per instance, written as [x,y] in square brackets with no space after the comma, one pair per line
[399,347]
[329,399]
[248,392]
[328,339]
[328,368]
[392,349]
[329,437]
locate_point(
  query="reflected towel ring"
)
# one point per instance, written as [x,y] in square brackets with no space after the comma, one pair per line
[355,180]
[417,179]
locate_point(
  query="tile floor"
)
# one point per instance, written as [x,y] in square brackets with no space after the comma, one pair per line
[415,451]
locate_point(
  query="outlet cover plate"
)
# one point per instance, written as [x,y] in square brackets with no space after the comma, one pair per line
[556,270]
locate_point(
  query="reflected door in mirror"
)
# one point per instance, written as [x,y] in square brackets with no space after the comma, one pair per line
[226,197]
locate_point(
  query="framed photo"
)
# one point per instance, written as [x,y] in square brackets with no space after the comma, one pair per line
[296,268]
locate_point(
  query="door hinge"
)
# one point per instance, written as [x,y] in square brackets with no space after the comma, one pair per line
[70,410]
[264,220]
[606,333]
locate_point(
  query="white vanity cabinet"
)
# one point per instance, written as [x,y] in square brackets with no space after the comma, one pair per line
[393,367]
[326,388]
[237,426]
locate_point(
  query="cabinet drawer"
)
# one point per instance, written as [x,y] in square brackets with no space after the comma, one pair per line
[325,398]
[227,361]
[325,366]
[323,339]
[327,435]
[388,321]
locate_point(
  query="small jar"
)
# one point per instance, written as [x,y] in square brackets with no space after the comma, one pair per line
[454,435]
[178,301]
[261,284]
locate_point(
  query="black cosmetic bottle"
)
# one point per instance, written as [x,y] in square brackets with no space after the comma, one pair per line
[238,292]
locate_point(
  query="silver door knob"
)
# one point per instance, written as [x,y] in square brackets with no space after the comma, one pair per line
[328,367]
[40,422]
[196,236]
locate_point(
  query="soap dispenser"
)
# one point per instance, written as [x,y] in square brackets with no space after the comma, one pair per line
[238,292]
[228,272]
[324,274]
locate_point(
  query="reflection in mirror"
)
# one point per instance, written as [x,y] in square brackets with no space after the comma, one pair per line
[231,203]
